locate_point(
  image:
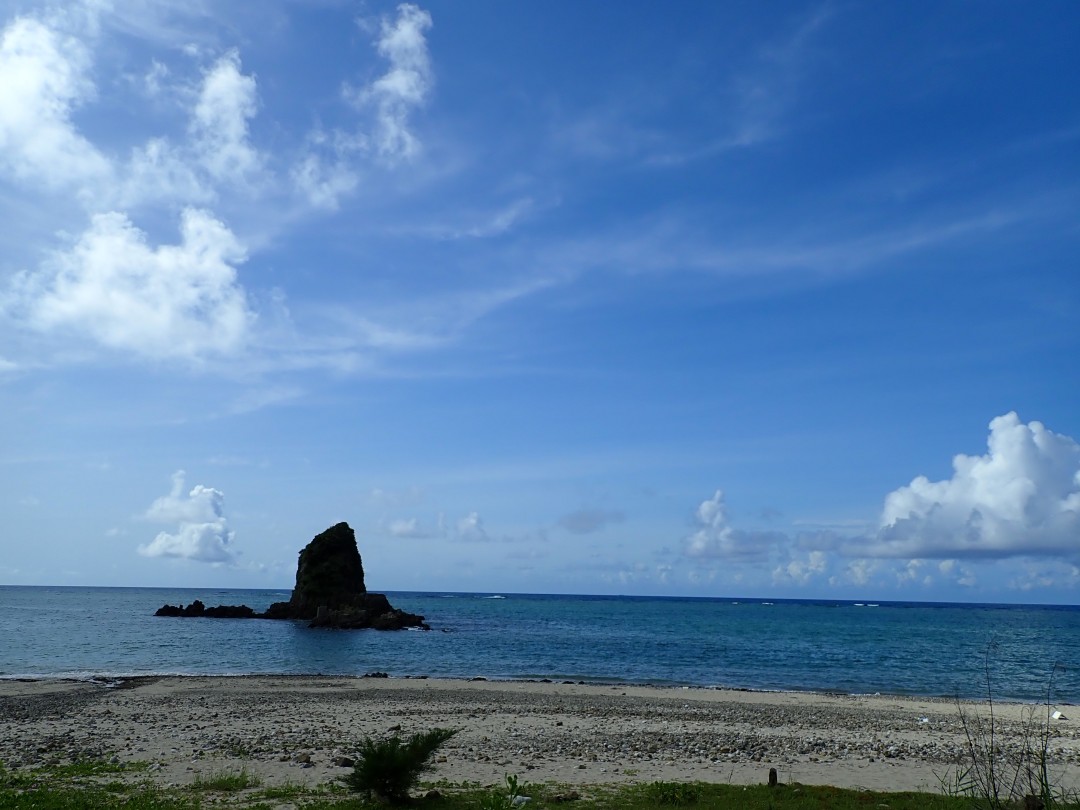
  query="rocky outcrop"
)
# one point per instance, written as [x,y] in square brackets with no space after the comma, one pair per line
[329,574]
[329,592]
[330,589]
[198,609]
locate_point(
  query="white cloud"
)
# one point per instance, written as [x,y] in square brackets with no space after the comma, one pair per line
[1020,498]
[716,538]
[324,183]
[861,571]
[202,532]
[43,78]
[159,171]
[482,224]
[407,528]
[405,85]
[153,81]
[471,528]
[121,288]
[801,571]
[910,572]
[170,301]
[1033,576]
[219,124]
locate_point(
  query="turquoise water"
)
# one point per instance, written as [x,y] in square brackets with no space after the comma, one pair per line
[891,648]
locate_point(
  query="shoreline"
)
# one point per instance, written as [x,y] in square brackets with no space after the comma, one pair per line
[295,728]
[113,680]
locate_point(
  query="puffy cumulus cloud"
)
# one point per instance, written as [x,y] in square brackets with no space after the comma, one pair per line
[861,572]
[716,538]
[171,301]
[45,65]
[586,521]
[202,532]
[111,284]
[801,571]
[219,123]
[43,79]
[404,87]
[911,572]
[1021,498]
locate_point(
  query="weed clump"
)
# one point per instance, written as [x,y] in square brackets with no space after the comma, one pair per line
[673,794]
[226,781]
[996,776]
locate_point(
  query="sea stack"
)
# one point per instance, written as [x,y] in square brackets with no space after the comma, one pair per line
[330,588]
[329,591]
[330,573]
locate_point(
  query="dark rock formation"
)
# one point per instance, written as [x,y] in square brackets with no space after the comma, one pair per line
[230,612]
[329,592]
[329,574]
[198,609]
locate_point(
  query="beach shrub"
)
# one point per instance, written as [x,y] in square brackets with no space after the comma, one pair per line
[388,769]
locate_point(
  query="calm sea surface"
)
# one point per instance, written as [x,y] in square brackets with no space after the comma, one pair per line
[891,647]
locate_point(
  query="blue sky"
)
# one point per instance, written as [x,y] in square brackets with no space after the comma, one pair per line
[704,299]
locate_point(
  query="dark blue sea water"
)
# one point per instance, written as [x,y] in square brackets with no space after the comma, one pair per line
[892,647]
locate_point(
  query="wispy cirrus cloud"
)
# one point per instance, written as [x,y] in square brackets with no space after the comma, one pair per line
[328,170]
[755,100]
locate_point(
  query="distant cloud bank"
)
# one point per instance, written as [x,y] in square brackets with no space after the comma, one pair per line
[1019,500]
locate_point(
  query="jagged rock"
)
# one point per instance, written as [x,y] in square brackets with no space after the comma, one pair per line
[329,592]
[329,575]
[198,609]
[230,612]
[195,609]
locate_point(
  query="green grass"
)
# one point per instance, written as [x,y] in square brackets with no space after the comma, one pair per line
[24,790]
[89,798]
[226,782]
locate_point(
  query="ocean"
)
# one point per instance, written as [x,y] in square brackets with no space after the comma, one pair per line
[902,648]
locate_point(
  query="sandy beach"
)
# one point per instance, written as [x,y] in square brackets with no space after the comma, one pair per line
[302,730]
